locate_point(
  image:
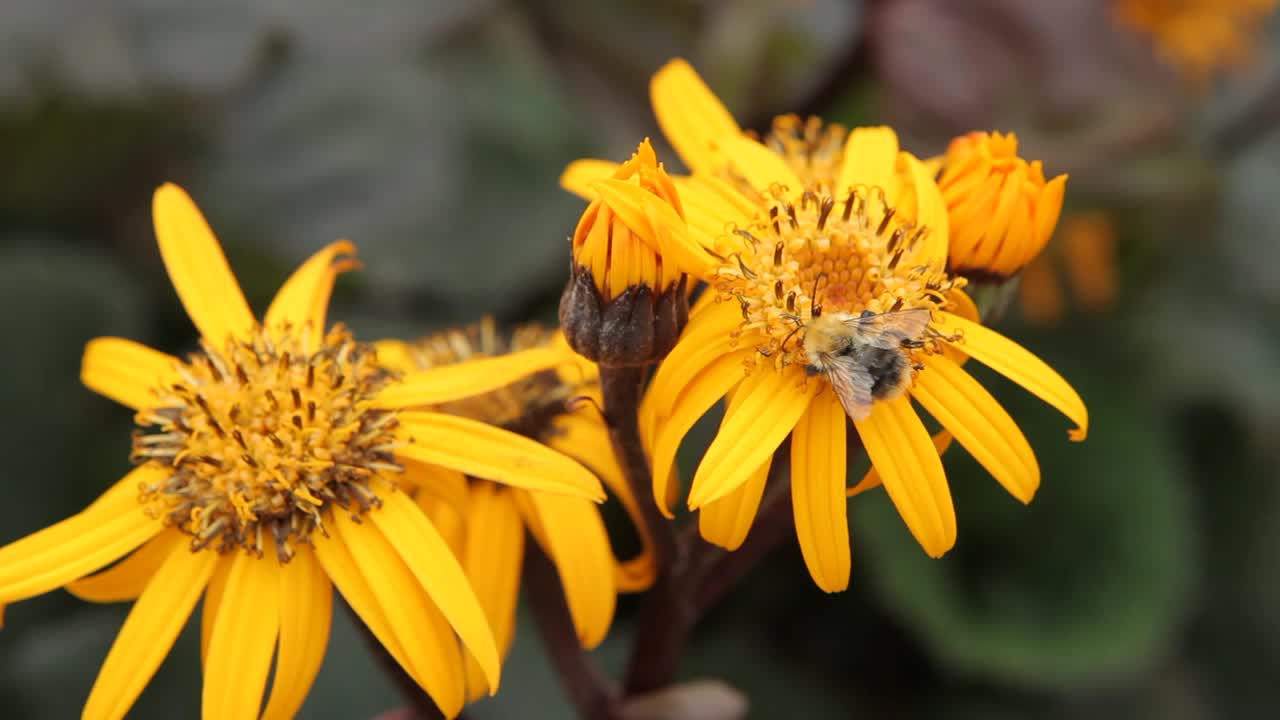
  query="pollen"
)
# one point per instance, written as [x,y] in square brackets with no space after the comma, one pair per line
[264,438]
[801,258]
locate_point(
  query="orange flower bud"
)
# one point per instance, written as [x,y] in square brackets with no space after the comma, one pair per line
[1001,210]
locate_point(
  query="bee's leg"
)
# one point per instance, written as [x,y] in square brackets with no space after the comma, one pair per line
[912,344]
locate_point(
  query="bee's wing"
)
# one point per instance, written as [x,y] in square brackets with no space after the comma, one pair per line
[852,384]
[887,330]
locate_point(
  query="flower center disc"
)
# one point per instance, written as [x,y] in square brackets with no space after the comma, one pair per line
[263,437]
[823,254]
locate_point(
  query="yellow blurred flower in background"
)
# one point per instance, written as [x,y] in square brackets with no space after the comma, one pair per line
[268,464]
[1001,210]
[1199,38]
[484,522]
[815,217]
[1085,253]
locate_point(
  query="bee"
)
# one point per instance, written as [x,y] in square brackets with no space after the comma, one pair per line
[864,356]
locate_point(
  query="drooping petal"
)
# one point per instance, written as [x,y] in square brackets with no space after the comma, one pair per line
[726,522]
[574,537]
[693,401]
[126,371]
[149,631]
[691,116]
[902,451]
[466,379]
[817,492]
[759,166]
[128,578]
[587,440]
[488,452]
[429,558]
[979,423]
[1019,365]
[580,175]
[941,441]
[212,601]
[198,269]
[493,556]
[244,639]
[427,647]
[744,442]
[870,155]
[306,611]
[83,543]
[705,339]
[303,300]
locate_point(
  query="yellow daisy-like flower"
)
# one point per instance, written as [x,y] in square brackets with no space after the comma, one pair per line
[816,218]
[267,470]
[1199,37]
[485,523]
[1000,208]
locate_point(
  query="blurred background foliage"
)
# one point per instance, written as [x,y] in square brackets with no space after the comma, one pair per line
[1142,581]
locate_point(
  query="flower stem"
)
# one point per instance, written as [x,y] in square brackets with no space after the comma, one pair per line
[589,689]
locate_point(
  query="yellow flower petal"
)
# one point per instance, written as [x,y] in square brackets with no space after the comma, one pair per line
[493,558]
[726,522]
[303,300]
[587,440]
[693,401]
[423,635]
[941,441]
[691,117]
[306,602]
[126,371]
[704,340]
[149,631]
[77,546]
[244,639]
[818,501]
[431,561]
[574,537]
[465,379]
[654,221]
[903,453]
[744,442]
[870,158]
[442,484]
[484,451]
[979,423]
[198,269]
[580,175]
[212,601]
[931,212]
[759,166]
[128,578]
[1019,365]
[711,205]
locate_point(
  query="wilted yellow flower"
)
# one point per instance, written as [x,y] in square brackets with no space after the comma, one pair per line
[626,298]
[268,464]
[486,523]
[1199,37]
[1002,211]
[817,220]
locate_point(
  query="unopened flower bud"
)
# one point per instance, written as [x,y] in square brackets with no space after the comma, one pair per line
[1001,211]
[627,300]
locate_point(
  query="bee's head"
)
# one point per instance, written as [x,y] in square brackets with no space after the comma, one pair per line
[811,370]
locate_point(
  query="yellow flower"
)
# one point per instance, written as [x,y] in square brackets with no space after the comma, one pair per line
[1086,253]
[1001,210]
[268,463]
[626,299]
[1199,37]
[816,217]
[487,522]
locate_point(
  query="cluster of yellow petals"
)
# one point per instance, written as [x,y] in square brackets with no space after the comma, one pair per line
[1199,37]
[1001,209]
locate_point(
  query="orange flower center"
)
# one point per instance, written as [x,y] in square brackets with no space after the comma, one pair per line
[262,437]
